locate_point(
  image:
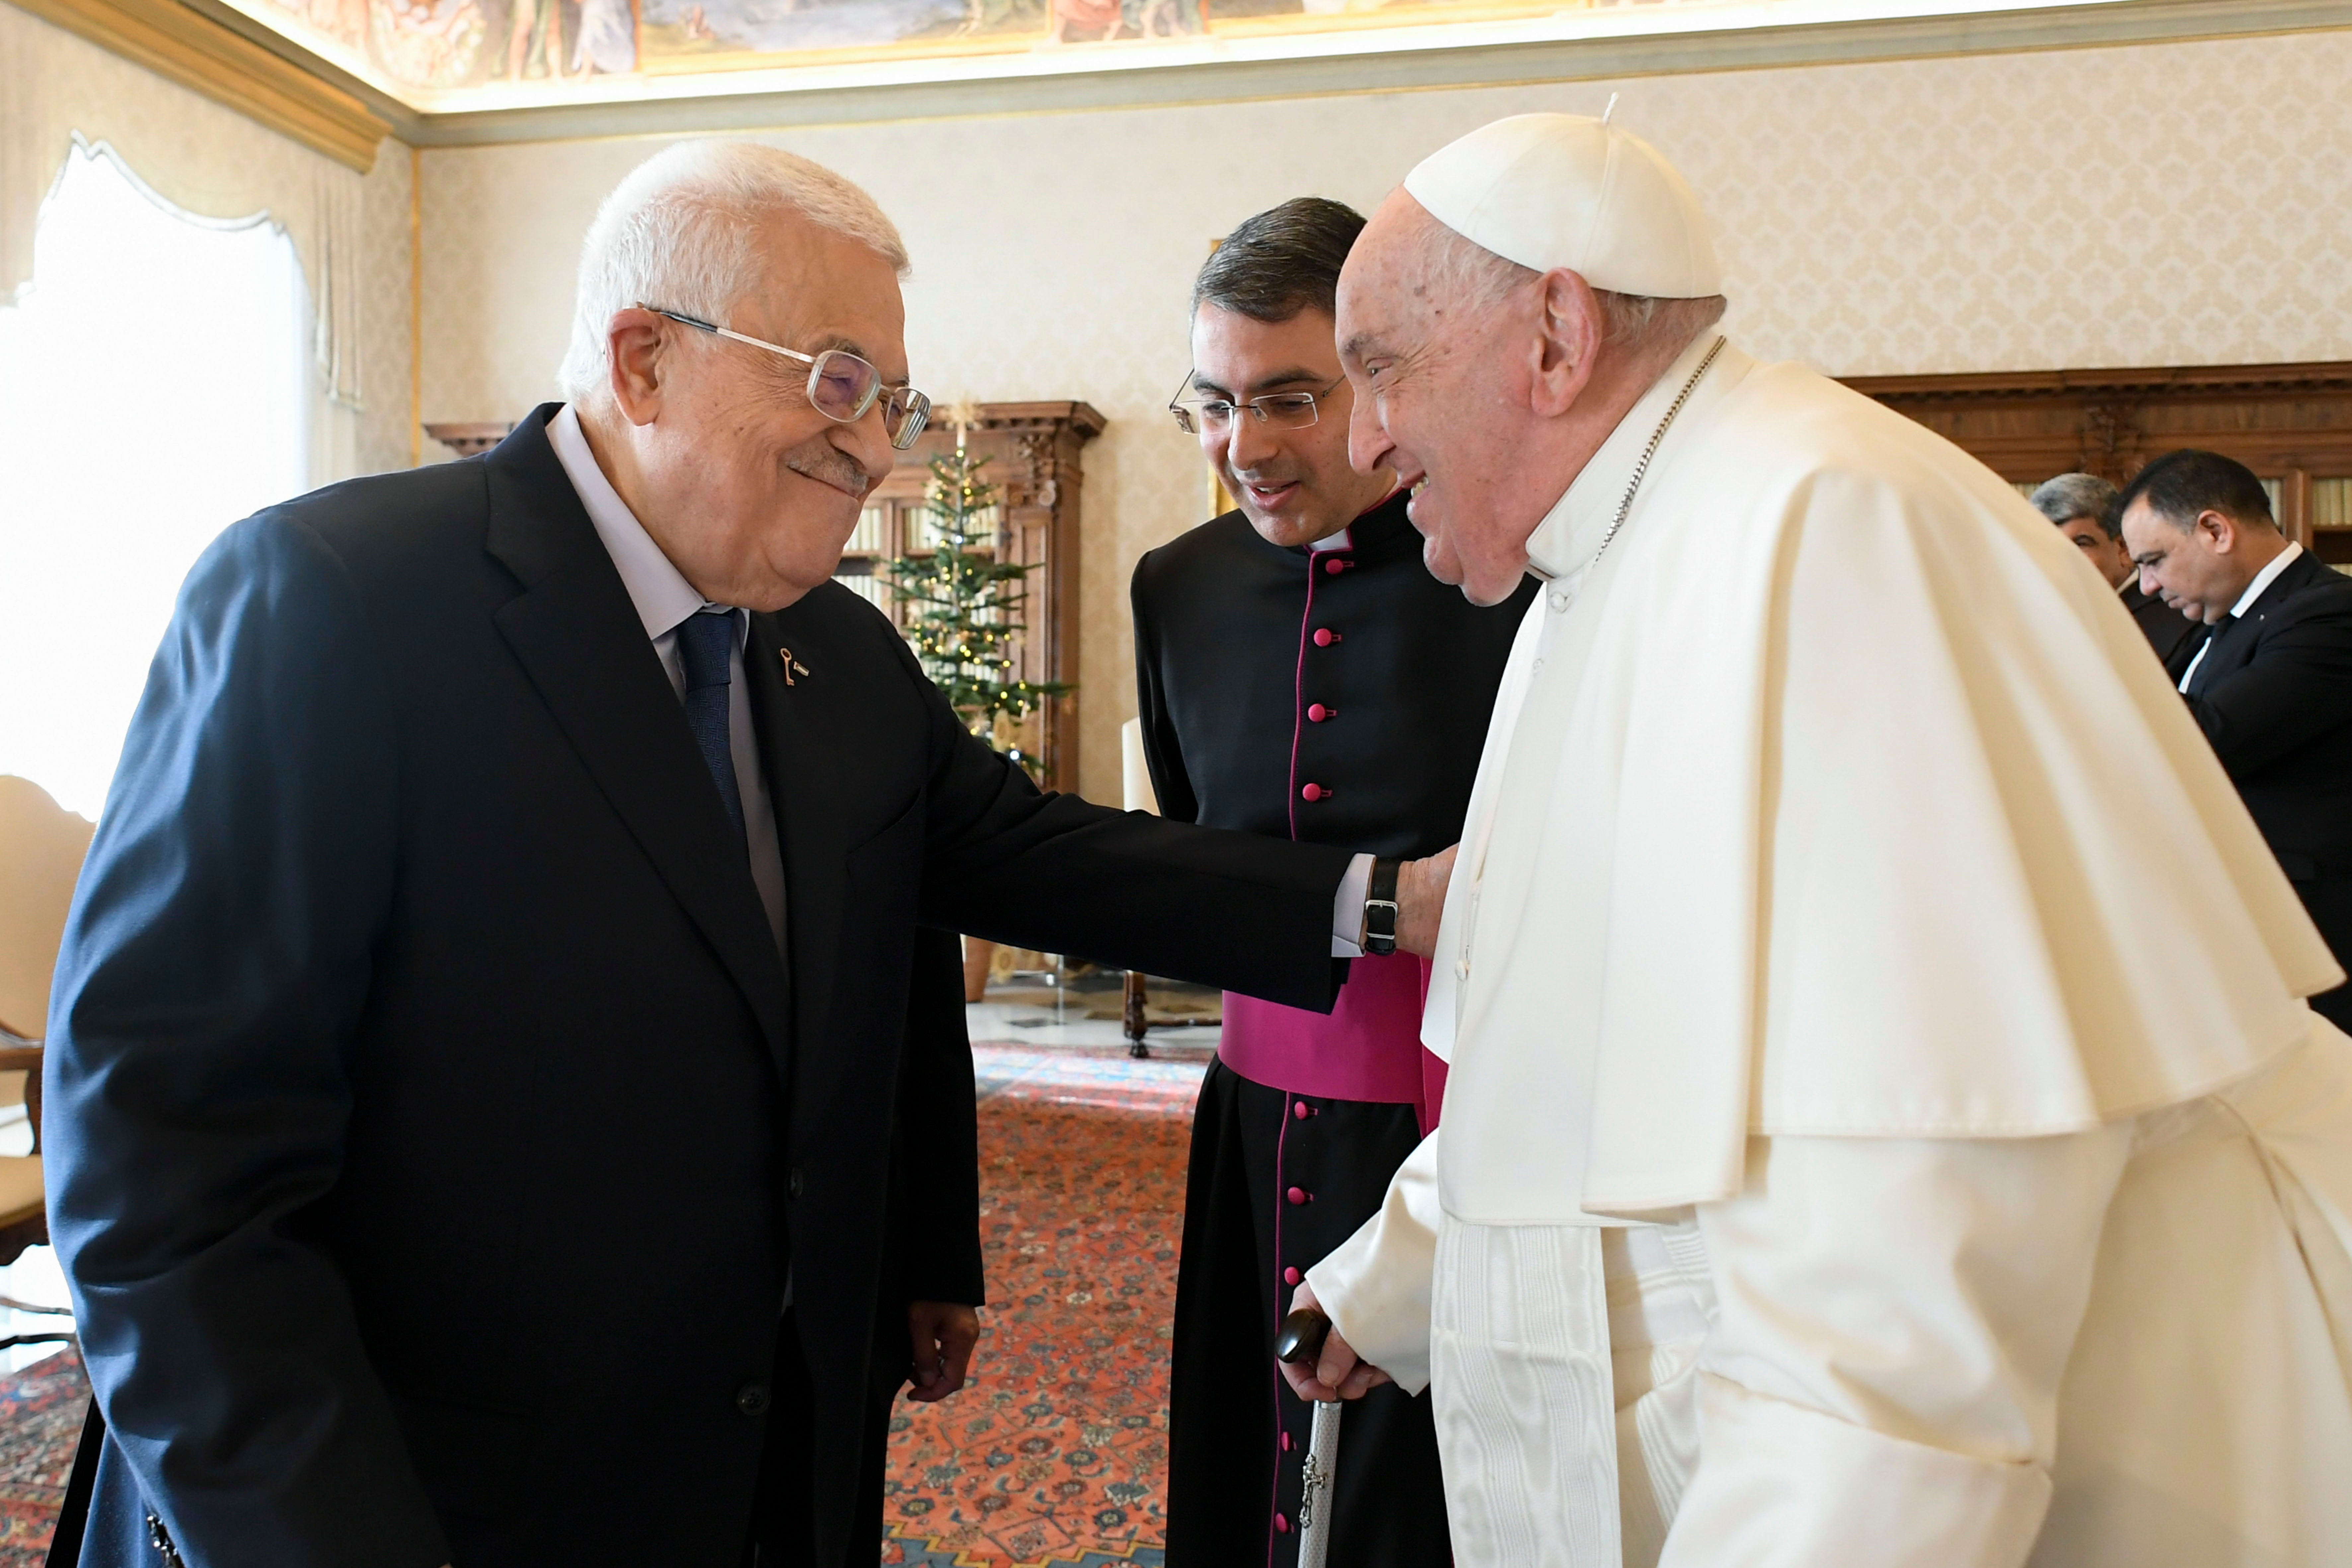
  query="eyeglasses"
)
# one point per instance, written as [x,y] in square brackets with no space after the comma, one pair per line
[841,386]
[1283,410]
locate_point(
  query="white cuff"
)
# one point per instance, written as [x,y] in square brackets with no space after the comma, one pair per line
[1375,1287]
[1348,908]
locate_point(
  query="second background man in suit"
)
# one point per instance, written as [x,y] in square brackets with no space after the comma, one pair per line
[2085,506]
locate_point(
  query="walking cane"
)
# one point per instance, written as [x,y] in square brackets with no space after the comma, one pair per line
[1300,1343]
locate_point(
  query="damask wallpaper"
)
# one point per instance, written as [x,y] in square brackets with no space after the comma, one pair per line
[2171,204]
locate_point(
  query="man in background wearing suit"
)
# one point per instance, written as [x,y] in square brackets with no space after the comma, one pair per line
[2271,683]
[478,1043]
[2084,507]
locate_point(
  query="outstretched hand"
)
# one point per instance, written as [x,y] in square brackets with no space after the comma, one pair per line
[943,1333]
[1337,1374]
[1420,899]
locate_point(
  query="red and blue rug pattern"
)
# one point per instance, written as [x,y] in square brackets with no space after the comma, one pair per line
[1056,1452]
[41,1411]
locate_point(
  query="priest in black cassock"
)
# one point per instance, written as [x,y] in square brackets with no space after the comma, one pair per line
[1301,674]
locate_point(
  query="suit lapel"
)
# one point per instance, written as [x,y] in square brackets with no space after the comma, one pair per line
[579,638]
[2233,648]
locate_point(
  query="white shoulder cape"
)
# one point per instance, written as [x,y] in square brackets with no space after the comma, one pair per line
[1905,834]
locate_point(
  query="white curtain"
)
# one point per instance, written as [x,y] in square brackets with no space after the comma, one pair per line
[156,384]
[214,163]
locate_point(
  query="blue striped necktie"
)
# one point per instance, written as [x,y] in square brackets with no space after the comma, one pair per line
[705,639]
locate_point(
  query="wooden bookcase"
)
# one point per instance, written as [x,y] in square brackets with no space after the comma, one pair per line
[1032,460]
[2291,424]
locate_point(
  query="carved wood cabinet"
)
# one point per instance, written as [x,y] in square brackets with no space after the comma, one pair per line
[2291,424]
[1033,461]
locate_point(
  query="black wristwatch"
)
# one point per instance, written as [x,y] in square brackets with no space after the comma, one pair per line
[1380,908]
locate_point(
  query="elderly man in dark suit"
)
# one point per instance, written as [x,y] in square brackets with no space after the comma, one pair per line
[2271,682]
[479,1042]
[2084,507]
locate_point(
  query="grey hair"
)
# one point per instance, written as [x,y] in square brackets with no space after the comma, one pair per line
[1462,269]
[2070,496]
[682,230]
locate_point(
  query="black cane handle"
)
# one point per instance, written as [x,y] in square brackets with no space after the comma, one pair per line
[1300,1342]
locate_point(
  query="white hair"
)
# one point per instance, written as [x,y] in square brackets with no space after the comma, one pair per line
[1459,269]
[682,231]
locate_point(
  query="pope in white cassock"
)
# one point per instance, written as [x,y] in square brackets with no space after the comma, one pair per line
[1884,1127]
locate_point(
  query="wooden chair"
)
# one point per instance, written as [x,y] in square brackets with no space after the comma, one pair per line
[41,850]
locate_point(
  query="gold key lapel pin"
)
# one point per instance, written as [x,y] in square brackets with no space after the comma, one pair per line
[793,667]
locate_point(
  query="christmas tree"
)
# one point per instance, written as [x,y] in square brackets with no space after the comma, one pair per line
[964,606]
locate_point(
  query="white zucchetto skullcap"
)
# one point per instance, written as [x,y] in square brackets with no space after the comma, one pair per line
[1567,190]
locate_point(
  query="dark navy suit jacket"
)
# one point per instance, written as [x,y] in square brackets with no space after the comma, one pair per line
[433,1121]
[2274,696]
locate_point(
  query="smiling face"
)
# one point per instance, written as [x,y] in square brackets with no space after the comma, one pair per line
[1446,397]
[1294,486]
[749,490]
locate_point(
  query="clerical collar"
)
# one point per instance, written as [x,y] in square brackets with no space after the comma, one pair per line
[1563,542]
[1376,530]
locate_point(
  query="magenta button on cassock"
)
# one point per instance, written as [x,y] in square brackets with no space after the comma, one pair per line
[1316,712]
[1313,792]
[1292,1275]
[1325,636]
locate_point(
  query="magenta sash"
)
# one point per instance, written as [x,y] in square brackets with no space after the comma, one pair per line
[1368,1048]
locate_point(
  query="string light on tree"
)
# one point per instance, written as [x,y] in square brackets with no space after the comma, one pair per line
[964,606]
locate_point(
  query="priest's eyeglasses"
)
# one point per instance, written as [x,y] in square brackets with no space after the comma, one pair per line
[841,386]
[1284,410]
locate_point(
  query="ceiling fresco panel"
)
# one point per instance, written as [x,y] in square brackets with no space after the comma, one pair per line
[446,56]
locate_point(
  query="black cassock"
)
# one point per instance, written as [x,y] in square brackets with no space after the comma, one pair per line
[1338,697]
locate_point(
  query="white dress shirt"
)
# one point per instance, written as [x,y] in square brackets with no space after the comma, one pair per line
[2255,590]
[664,599]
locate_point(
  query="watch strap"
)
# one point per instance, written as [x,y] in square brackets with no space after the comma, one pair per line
[1380,908]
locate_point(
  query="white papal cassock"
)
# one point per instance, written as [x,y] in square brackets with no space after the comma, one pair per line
[1883,1125]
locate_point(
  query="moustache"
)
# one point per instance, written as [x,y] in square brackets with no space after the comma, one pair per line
[827,465]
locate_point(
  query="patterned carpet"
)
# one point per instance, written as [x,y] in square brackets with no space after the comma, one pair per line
[41,1415]
[1056,1453]
[1094,1078]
